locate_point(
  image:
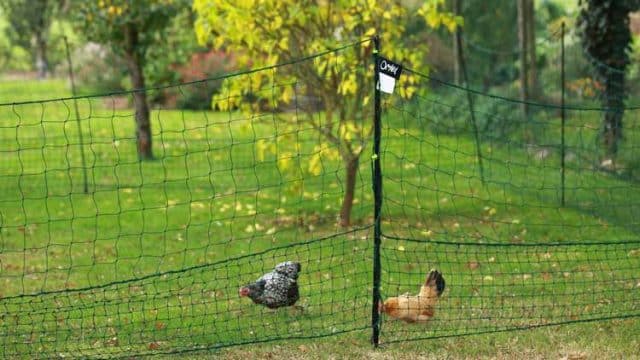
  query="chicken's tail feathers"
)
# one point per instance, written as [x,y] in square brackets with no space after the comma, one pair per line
[435,280]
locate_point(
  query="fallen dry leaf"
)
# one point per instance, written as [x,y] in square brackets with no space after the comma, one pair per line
[574,356]
[473,265]
[112,342]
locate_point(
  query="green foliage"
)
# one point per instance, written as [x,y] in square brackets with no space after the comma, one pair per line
[482,18]
[450,114]
[106,21]
[29,24]
[11,56]
[266,33]
[165,37]
[492,57]
[201,65]
[27,18]
[96,69]
[604,28]
[175,48]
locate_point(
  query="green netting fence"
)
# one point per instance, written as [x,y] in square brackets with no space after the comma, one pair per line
[149,259]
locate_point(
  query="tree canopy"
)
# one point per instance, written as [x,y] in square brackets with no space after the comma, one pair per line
[269,32]
[109,21]
[29,27]
[131,28]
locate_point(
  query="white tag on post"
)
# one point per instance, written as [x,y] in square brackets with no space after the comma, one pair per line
[388,73]
[387,83]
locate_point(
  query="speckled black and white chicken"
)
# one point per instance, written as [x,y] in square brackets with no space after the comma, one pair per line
[277,288]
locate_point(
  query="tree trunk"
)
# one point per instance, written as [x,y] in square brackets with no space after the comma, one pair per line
[524,68]
[614,102]
[351,172]
[41,60]
[531,51]
[134,64]
[457,78]
[606,37]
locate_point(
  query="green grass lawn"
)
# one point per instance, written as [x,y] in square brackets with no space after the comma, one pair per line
[149,260]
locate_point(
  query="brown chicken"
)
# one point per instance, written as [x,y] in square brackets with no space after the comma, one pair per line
[418,308]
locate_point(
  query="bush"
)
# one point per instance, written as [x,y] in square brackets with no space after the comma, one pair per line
[201,66]
[96,69]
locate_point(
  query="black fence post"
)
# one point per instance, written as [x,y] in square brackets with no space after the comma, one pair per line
[562,117]
[377,193]
[75,105]
[474,124]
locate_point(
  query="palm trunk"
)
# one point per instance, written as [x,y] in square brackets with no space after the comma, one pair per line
[351,172]
[134,64]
